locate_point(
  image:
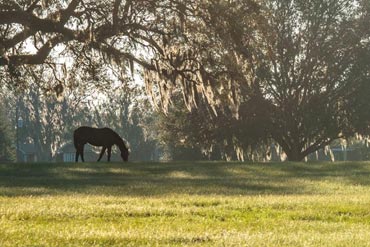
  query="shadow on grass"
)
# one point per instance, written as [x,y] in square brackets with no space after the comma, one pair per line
[152,179]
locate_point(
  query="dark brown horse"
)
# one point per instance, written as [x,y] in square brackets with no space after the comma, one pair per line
[104,137]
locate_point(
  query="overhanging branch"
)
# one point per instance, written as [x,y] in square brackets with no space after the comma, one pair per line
[37,58]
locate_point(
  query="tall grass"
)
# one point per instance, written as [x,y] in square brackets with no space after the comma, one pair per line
[185,204]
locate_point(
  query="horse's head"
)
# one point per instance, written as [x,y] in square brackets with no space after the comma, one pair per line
[125,151]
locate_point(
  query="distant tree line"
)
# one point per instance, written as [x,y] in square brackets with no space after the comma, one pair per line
[48,122]
[7,153]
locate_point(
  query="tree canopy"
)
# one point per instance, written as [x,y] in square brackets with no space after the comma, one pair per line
[70,35]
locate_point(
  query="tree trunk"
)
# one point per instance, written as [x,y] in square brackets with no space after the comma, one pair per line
[294,156]
[293,151]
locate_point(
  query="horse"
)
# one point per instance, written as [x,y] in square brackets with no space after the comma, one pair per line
[102,137]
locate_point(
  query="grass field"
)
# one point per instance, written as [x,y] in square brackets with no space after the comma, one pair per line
[185,204]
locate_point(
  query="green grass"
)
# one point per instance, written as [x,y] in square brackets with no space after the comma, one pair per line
[185,204]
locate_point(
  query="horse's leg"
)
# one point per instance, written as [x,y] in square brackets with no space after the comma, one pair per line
[78,151]
[77,154]
[81,150]
[102,153]
[109,152]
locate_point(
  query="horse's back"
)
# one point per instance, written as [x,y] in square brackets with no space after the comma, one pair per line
[94,136]
[82,131]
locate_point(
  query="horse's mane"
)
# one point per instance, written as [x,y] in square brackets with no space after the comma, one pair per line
[123,141]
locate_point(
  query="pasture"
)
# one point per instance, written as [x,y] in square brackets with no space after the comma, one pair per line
[185,204]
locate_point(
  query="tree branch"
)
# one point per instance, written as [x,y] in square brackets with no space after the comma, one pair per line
[37,58]
[118,55]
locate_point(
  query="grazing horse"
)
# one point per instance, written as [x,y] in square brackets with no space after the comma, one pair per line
[104,137]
